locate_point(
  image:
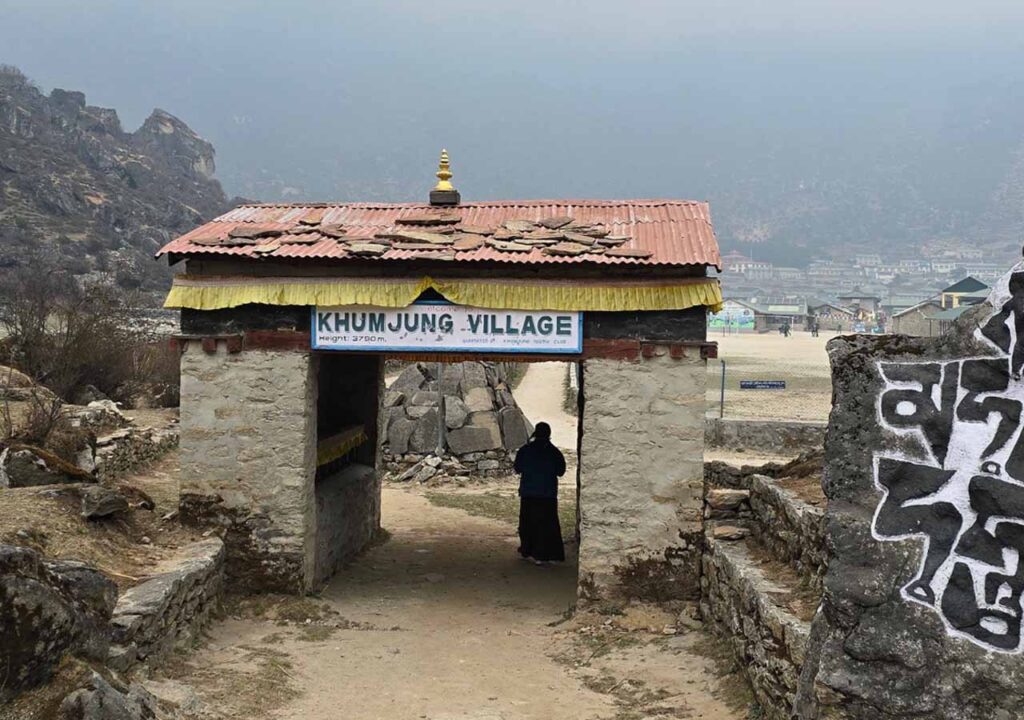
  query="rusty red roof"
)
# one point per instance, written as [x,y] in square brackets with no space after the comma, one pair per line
[673,232]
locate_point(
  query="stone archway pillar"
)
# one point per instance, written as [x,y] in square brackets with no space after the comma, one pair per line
[248,458]
[641,475]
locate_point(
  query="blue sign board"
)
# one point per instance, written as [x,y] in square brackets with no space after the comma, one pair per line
[762,384]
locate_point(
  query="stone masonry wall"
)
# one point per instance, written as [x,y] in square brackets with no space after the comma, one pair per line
[641,468]
[792,530]
[248,460]
[131,449]
[768,642]
[348,517]
[170,609]
[774,436]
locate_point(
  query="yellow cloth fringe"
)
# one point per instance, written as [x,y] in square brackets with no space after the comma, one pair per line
[218,293]
[337,446]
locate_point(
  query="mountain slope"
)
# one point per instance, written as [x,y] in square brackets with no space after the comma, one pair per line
[76,188]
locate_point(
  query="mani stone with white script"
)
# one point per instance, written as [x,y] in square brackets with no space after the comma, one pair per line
[480,413]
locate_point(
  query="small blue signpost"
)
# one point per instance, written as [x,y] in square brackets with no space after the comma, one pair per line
[762,384]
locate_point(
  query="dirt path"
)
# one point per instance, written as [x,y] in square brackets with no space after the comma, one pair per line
[443,622]
[540,395]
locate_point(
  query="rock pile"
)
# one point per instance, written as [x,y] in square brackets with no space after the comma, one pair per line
[434,235]
[47,609]
[481,429]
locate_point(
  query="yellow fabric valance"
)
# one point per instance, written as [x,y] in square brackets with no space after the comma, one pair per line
[214,293]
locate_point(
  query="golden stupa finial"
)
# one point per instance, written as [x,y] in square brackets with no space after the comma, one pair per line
[444,174]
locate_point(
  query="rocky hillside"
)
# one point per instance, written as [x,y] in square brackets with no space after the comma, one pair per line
[78,189]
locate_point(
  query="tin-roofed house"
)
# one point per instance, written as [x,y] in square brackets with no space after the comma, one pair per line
[288,312]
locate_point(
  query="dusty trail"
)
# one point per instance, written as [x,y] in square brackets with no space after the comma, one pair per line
[443,622]
[540,395]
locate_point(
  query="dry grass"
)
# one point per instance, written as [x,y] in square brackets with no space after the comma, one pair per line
[800,360]
[503,506]
[252,684]
[49,519]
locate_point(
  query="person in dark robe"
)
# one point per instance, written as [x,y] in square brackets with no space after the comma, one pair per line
[540,464]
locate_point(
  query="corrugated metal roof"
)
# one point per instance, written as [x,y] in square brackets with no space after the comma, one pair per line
[675,232]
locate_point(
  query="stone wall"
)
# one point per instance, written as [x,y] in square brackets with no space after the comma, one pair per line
[131,449]
[248,458]
[641,469]
[348,517]
[766,555]
[168,610]
[482,425]
[790,529]
[773,436]
[768,641]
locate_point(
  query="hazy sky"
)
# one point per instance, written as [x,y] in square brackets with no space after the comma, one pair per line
[347,100]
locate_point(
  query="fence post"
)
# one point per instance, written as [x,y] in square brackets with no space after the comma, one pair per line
[441,427]
[721,402]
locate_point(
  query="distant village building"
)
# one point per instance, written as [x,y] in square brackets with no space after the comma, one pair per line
[864,304]
[751,269]
[734,317]
[743,316]
[789,274]
[969,291]
[919,320]
[897,302]
[829,315]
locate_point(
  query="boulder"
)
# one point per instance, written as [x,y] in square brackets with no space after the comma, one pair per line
[46,611]
[425,473]
[424,397]
[11,378]
[503,396]
[399,434]
[99,700]
[417,411]
[515,428]
[424,435]
[393,398]
[455,412]
[491,373]
[727,498]
[87,394]
[730,532]
[473,376]
[389,415]
[451,378]
[101,502]
[26,466]
[479,399]
[480,433]
[410,380]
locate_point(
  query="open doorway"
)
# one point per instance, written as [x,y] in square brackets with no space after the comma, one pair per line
[442,441]
[347,482]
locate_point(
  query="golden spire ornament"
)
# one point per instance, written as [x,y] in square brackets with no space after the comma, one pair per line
[444,173]
[444,193]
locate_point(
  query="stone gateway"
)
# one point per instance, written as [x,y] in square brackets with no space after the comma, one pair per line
[289,311]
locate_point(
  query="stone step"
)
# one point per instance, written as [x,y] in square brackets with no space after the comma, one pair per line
[764,609]
[784,515]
